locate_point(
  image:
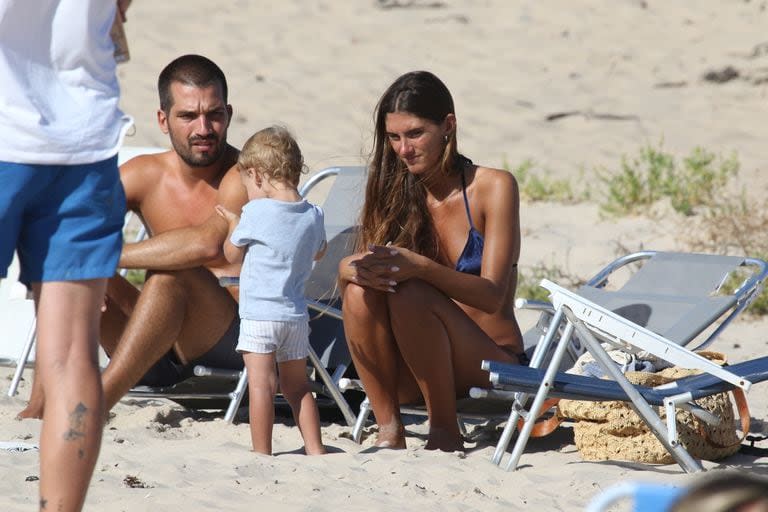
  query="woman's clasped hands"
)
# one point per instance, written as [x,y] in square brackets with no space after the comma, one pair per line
[383,266]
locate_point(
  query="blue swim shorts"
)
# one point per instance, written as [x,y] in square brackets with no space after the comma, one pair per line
[65,221]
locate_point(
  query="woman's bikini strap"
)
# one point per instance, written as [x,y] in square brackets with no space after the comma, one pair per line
[466,200]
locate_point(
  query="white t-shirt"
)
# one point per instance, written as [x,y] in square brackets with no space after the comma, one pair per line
[59,92]
[283,239]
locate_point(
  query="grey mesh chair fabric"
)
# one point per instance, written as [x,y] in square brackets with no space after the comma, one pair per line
[672,294]
[674,299]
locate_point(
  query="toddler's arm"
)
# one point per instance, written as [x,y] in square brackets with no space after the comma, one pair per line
[319,255]
[232,252]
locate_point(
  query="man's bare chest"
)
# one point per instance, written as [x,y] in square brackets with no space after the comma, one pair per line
[171,207]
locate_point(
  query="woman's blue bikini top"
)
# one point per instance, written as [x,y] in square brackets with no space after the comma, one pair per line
[472,256]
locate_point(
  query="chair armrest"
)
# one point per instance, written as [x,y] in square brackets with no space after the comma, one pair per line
[225,281]
[536,305]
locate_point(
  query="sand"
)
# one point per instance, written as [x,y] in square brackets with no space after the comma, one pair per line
[569,85]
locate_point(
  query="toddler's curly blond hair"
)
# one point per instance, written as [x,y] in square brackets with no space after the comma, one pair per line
[274,152]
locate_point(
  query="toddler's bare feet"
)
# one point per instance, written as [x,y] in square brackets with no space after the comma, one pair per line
[315,451]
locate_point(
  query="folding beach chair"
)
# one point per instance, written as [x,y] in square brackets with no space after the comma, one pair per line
[672,300]
[17,316]
[329,356]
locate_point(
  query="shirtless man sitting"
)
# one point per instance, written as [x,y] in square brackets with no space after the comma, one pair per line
[181,317]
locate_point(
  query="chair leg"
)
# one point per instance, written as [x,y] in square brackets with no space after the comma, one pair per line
[541,350]
[541,396]
[21,363]
[332,388]
[462,427]
[237,397]
[365,411]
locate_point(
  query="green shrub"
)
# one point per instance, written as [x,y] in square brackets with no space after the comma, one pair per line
[136,277]
[534,187]
[529,278]
[654,174]
[703,175]
[637,184]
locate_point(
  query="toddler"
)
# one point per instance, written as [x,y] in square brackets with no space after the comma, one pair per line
[277,238]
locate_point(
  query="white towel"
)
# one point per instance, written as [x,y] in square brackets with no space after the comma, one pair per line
[16,446]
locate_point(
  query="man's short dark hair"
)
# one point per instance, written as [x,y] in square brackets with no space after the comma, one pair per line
[194,70]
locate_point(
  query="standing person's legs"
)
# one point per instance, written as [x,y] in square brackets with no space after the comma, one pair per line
[258,343]
[68,327]
[262,386]
[294,385]
[292,353]
[68,244]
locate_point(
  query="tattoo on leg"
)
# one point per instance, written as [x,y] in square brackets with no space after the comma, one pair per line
[76,427]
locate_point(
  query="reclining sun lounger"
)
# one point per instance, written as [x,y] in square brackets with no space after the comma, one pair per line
[674,299]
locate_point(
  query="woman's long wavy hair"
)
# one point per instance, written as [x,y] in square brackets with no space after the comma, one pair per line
[395,208]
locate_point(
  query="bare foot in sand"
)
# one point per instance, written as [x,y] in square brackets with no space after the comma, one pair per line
[444,440]
[32,410]
[391,436]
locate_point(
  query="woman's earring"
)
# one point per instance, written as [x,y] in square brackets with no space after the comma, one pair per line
[445,138]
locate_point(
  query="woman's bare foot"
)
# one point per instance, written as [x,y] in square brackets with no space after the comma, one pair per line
[391,436]
[444,440]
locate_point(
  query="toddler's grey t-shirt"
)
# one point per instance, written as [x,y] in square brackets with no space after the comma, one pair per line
[283,239]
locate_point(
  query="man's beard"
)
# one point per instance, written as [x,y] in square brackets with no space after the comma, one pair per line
[192,159]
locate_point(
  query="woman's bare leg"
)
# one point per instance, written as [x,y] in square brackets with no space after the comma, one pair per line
[443,349]
[376,358]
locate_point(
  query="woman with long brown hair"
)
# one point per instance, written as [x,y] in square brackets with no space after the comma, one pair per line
[430,292]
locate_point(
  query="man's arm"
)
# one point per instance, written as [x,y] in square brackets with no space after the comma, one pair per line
[178,248]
